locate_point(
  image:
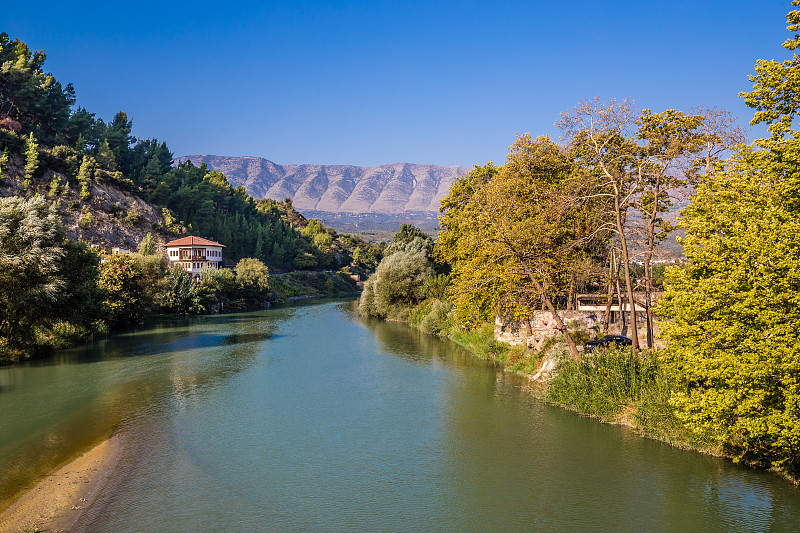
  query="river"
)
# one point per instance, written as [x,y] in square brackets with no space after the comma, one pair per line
[308,418]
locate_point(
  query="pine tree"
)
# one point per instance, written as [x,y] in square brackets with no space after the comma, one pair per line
[85,175]
[3,162]
[105,157]
[147,246]
[31,160]
[151,176]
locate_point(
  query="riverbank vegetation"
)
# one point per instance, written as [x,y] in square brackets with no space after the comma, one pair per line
[558,219]
[55,292]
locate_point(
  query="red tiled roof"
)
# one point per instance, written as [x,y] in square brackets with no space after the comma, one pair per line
[192,240]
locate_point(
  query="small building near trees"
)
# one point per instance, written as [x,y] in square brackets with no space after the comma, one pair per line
[194,254]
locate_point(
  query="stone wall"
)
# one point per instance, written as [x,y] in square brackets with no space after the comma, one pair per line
[535,331]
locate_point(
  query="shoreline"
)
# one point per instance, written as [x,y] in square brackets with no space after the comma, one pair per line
[538,381]
[57,500]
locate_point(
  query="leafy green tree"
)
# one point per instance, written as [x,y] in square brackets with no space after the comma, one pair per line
[118,139]
[252,277]
[182,294]
[774,95]
[251,272]
[220,286]
[151,176]
[409,232]
[79,303]
[124,298]
[31,157]
[85,175]
[152,282]
[148,245]
[669,144]
[398,282]
[55,187]
[478,283]
[522,237]
[305,261]
[31,276]
[734,310]
[105,157]
[436,287]
[29,95]
[603,134]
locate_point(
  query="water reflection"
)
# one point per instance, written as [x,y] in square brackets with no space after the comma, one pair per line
[309,419]
[53,410]
[505,454]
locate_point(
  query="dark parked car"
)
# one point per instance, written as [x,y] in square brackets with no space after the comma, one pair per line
[608,341]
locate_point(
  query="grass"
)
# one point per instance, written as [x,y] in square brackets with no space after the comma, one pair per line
[620,386]
[482,342]
[604,383]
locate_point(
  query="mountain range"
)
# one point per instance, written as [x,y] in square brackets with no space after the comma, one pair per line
[386,189]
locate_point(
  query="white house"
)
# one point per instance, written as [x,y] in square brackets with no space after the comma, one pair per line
[194,254]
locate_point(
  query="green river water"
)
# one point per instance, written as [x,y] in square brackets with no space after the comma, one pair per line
[309,418]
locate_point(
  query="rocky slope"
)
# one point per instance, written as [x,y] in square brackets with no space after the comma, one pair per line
[110,216]
[390,189]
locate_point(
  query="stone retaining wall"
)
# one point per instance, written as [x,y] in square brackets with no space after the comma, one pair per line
[535,331]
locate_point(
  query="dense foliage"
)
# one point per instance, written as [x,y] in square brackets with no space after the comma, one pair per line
[398,281]
[45,280]
[735,309]
[55,291]
[524,236]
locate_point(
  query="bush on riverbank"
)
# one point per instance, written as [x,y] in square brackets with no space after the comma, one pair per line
[617,385]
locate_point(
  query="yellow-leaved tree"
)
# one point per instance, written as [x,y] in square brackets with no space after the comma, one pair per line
[521,237]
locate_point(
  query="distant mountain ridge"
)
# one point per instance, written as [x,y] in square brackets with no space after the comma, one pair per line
[390,189]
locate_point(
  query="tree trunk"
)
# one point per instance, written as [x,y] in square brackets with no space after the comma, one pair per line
[571,297]
[648,275]
[647,288]
[607,314]
[560,326]
[619,295]
[626,262]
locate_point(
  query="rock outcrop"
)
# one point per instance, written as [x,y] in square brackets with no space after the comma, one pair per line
[391,189]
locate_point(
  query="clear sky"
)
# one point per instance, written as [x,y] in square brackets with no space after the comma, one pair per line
[375,82]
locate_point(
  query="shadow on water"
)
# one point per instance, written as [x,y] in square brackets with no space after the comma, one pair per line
[249,337]
[167,336]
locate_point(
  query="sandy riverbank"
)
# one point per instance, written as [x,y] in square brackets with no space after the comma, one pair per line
[55,503]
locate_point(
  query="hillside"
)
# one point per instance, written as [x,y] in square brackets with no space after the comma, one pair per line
[107,215]
[386,189]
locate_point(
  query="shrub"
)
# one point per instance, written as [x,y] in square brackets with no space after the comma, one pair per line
[86,220]
[437,321]
[399,280]
[132,217]
[604,383]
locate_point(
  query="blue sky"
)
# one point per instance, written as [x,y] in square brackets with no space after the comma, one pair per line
[368,83]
